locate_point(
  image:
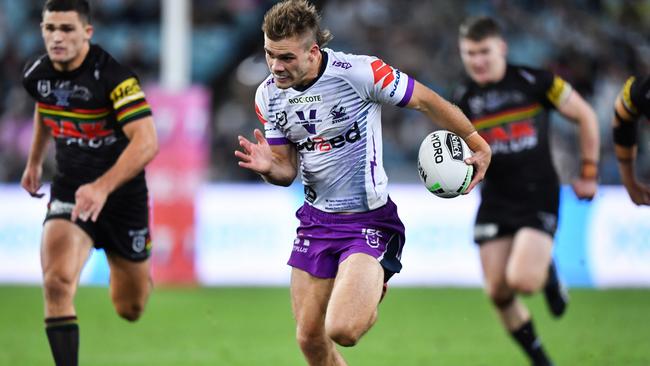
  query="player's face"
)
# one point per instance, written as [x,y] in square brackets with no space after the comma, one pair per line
[293,61]
[66,38]
[485,60]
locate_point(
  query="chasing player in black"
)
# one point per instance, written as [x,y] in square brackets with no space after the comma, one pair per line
[509,105]
[632,102]
[104,134]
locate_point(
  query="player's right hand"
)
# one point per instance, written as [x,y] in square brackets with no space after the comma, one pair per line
[31,180]
[638,192]
[256,157]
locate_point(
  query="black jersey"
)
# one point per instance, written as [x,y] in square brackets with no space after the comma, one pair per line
[86,109]
[636,96]
[512,115]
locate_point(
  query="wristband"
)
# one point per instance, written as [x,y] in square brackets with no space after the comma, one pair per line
[589,169]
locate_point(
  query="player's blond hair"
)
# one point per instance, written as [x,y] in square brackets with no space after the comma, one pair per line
[292,18]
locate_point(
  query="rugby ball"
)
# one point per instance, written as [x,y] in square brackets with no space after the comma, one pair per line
[441,164]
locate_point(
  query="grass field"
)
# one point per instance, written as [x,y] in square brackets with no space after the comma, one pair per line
[253,326]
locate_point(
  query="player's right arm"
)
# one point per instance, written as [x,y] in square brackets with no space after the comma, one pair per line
[624,128]
[31,179]
[276,164]
[450,117]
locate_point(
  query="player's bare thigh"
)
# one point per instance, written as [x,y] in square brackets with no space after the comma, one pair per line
[494,260]
[353,304]
[309,298]
[65,248]
[529,260]
[130,285]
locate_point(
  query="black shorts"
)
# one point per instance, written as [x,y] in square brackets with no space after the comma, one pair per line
[122,227]
[503,216]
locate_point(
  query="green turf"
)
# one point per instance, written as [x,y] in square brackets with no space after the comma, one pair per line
[252,326]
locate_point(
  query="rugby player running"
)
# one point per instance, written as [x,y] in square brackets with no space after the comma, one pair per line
[321,112]
[104,135]
[509,105]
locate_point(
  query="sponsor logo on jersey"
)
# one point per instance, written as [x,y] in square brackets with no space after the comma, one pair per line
[127,91]
[454,146]
[398,76]
[338,113]
[306,99]
[341,64]
[301,245]
[308,122]
[57,207]
[321,144]
[382,72]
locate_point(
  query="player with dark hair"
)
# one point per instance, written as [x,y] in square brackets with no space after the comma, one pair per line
[509,105]
[321,112]
[632,102]
[105,136]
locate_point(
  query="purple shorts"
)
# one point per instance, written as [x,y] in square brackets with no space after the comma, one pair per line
[325,239]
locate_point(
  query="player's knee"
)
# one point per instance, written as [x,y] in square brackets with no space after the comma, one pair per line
[310,339]
[58,288]
[344,334]
[130,311]
[524,284]
[501,296]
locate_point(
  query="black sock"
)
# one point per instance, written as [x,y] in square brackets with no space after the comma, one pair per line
[63,335]
[529,341]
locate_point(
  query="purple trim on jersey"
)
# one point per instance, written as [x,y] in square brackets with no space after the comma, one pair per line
[409,93]
[373,163]
[277,141]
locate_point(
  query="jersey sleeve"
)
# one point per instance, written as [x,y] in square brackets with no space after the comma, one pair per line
[377,81]
[28,80]
[126,95]
[552,90]
[273,135]
[635,96]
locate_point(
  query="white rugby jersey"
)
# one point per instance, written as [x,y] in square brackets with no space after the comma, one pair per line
[335,124]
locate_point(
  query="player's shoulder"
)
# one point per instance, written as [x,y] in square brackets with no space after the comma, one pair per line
[105,66]
[36,67]
[640,84]
[344,64]
[529,75]
[266,87]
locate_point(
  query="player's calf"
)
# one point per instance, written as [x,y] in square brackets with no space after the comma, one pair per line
[555,293]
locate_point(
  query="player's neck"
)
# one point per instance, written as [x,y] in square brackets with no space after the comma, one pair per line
[74,63]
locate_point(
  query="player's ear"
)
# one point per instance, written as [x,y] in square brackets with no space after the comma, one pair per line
[314,50]
[503,47]
[89,31]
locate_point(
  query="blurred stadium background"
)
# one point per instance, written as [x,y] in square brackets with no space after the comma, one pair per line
[221,238]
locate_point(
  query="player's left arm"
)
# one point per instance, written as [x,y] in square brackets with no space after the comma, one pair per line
[450,117]
[141,149]
[624,133]
[577,110]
